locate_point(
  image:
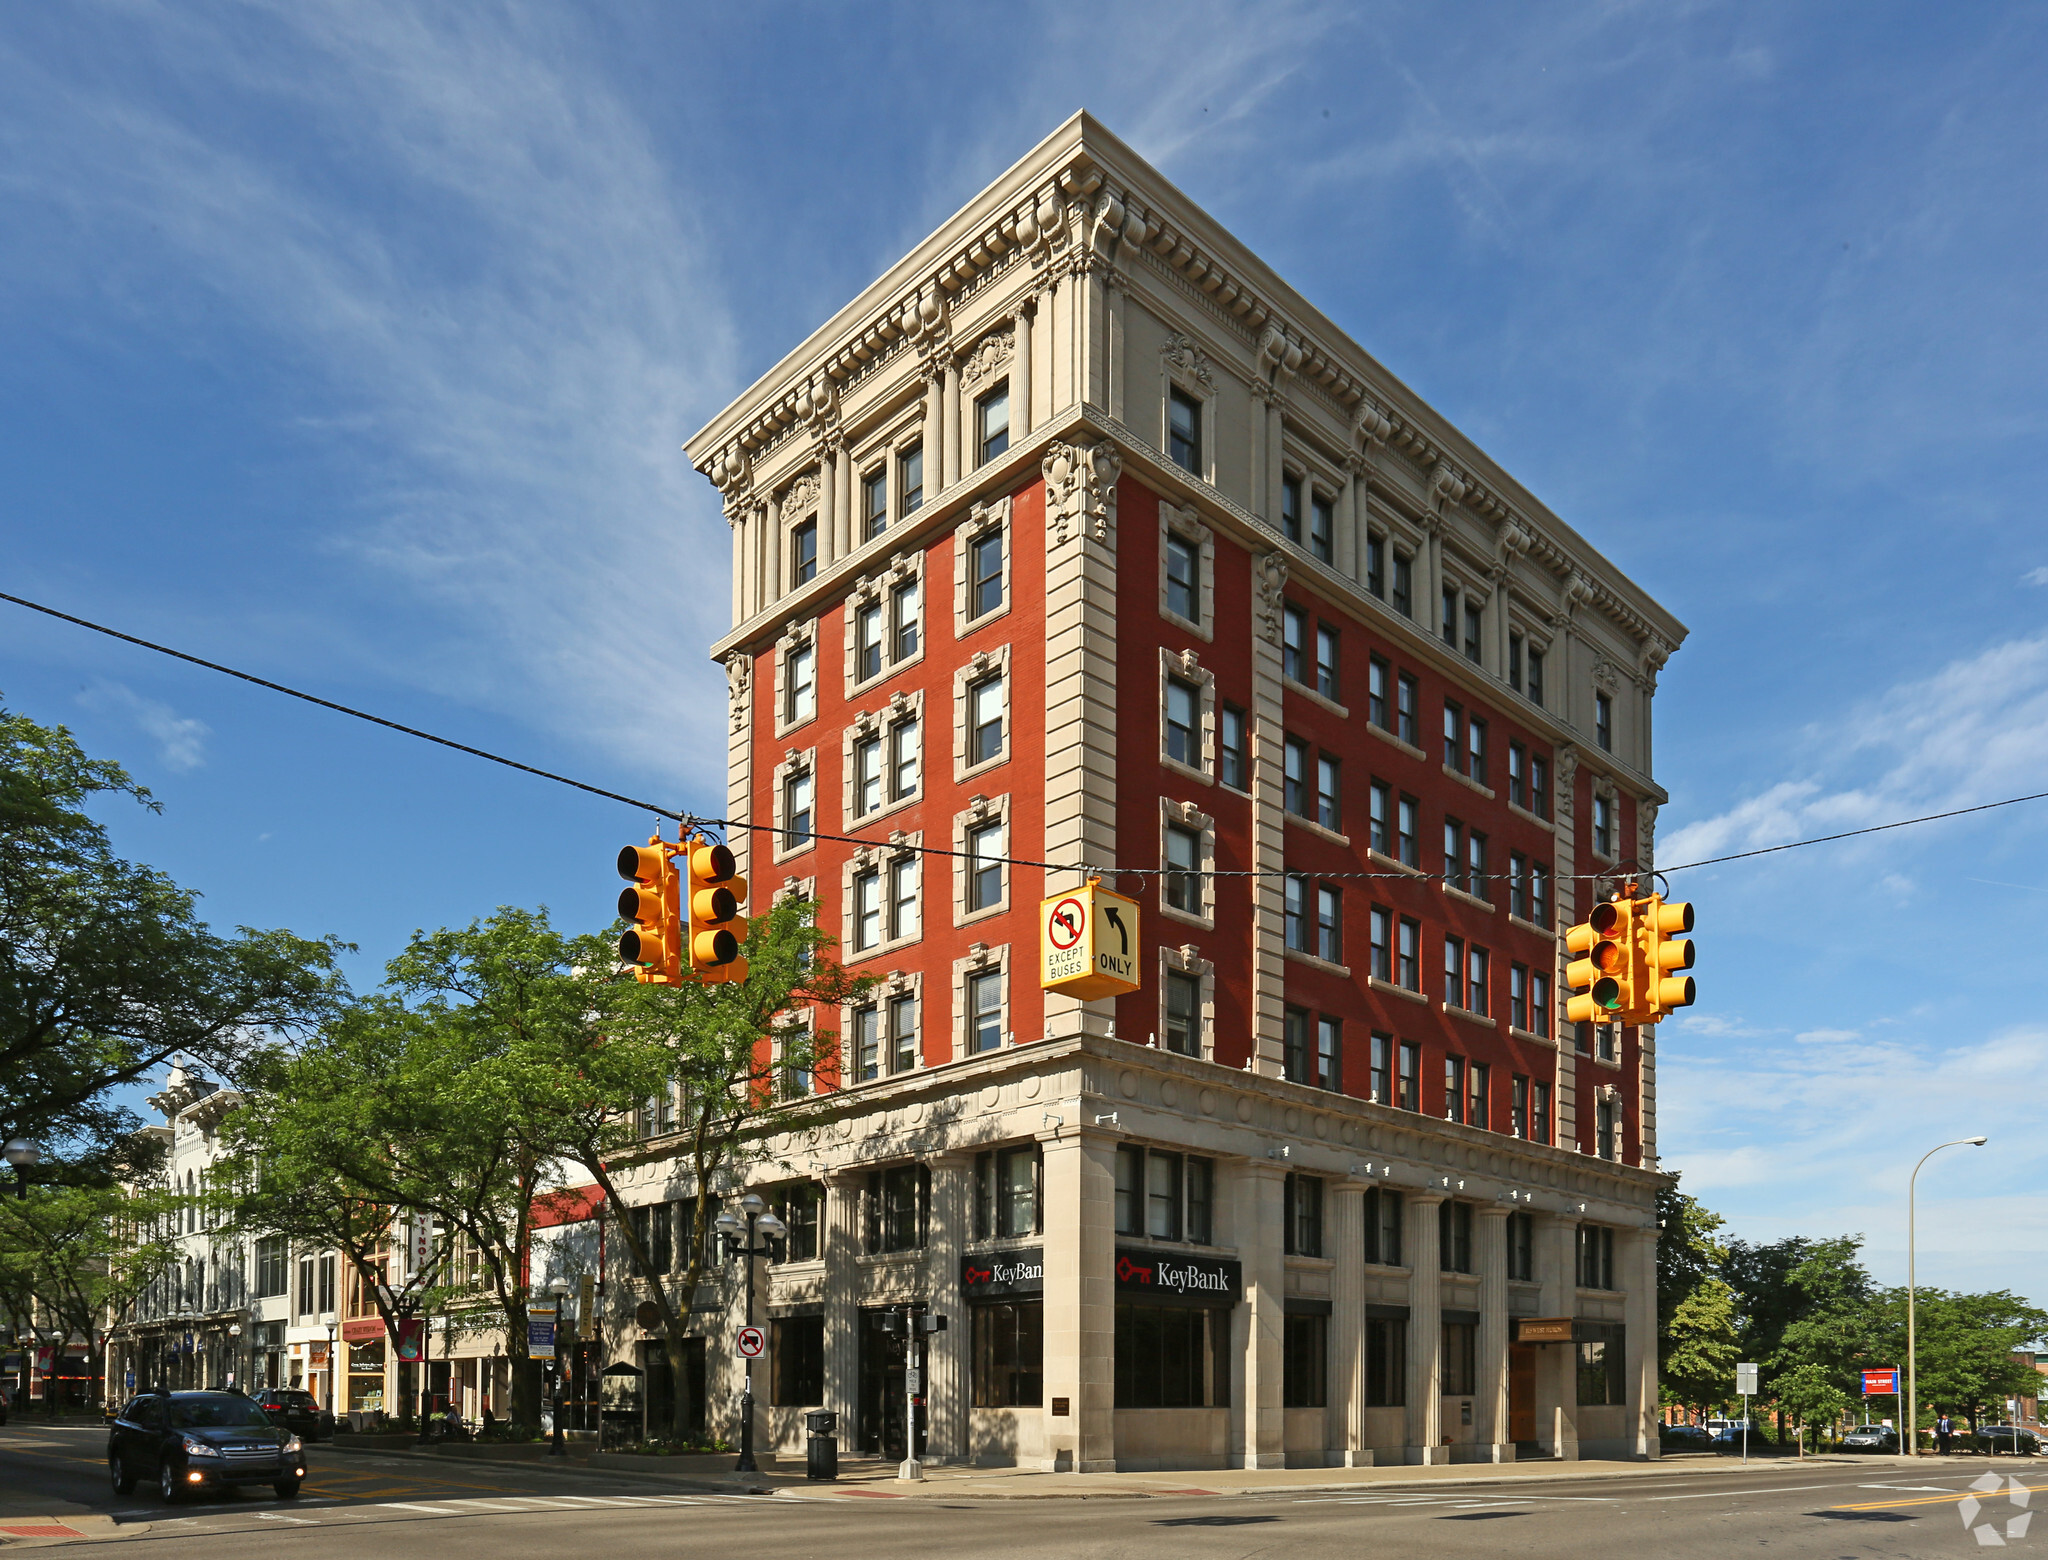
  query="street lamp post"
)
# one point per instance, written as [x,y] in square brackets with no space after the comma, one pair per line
[739,1242]
[557,1445]
[1912,1425]
[22,1154]
[327,1319]
[234,1352]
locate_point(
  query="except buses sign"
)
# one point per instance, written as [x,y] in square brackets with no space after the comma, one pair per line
[1088,943]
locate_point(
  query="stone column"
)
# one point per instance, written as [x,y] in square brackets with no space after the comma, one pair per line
[1080,1301]
[1276,446]
[829,456]
[1020,373]
[1557,1379]
[842,505]
[737,523]
[1268,834]
[1344,1440]
[1491,1432]
[843,1191]
[950,405]
[1497,641]
[1637,1261]
[777,554]
[1425,1331]
[1347,525]
[946,1353]
[934,431]
[1257,1192]
[1429,583]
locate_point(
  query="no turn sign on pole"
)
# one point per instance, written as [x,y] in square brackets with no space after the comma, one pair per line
[750,1343]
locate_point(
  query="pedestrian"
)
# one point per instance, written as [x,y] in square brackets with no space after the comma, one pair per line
[1943,1430]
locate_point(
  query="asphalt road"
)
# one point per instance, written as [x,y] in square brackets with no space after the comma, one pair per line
[1831,1513]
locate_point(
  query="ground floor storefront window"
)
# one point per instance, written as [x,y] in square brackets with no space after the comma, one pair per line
[1009,1353]
[1599,1349]
[366,1377]
[1172,1357]
[1305,1369]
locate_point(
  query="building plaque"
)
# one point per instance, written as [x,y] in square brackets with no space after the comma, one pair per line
[1543,1329]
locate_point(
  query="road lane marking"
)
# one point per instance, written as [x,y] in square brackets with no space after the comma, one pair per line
[438,1511]
[1734,1494]
[278,1516]
[1945,1499]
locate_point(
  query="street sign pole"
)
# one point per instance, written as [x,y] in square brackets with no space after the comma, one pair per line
[913,1381]
[1745,1384]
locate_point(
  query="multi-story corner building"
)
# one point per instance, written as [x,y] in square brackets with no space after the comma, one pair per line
[1080,538]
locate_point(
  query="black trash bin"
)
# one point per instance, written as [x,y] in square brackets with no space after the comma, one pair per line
[822,1460]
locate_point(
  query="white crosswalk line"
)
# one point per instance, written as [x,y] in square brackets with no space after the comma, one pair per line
[486,1505]
[401,1505]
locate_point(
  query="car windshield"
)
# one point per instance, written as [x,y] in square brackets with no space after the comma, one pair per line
[216,1413]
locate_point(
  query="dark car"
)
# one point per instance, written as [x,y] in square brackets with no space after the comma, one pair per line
[1871,1438]
[1698,1437]
[297,1411]
[2011,1438]
[193,1441]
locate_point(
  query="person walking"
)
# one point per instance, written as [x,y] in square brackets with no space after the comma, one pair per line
[1943,1431]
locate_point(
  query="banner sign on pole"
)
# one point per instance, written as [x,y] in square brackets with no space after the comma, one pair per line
[540,1332]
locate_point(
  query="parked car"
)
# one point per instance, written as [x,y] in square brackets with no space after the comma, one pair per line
[3,1405]
[2010,1438]
[1695,1437]
[297,1410]
[1871,1438]
[194,1441]
[1727,1434]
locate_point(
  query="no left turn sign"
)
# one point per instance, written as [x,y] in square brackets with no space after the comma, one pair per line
[1065,922]
[750,1343]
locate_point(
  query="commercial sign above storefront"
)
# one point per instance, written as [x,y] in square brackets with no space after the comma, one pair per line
[1172,1278]
[1002,1273]
[1543,1329]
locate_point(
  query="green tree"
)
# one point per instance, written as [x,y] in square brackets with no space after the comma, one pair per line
[105,969]
[1800,1301]
[1964,1348]
[1811,1397]
[1696,1344]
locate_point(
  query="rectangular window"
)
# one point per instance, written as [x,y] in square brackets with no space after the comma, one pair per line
[1449,626]
[798,1379]
[1404,584]
[801,1208]
[1386,1362]
[1183,578]
[867,642]
[1379,817]
[898,1208]
[273,1266]
[1328,789]
[1535,677]
[984,1010]
[984,574]
[1184,430]
[1171,1357]
[1454,853]
[1376,674]
[910,478]
[326,1284]
[1407,709]
[1539,894]
[1376,564]
[1006,1203]
[1408,955]
[1514,660]
[1294,643]
[1475,862]
[992,423]
[1518,774]
[1305,1361]
[903,613]
[1290,508]
[1326,661]
[867,775]
[801,679]
[1475,625]
[1479,1096]
[1294,1044]
[796,1069]
[903,916]
[1199,1176]
[1606,1136]
[1162,1195]
[803,553]
[1518,1106]
[1408,832]
[1475,749]
[1603,826]
[1183,706]
[1183,859]
[1539,1004]
[1603,720]
[1461,1359]
[1009,1353]
[1539,787]
[1522,1248]
[984,870]
[796,810]
[1479,982]
[867,1044]
[1302,1229]
[1604,1042]
[305,1298]
[1454,737]
[1294,777]
[1454,1236]
[1322,528]
[1518,884]
[1329,923]
[1539,1112]
[985,720]
[1183,1013]
[1329,1053]
[903,751]
[1410,1079]
[1518,998]
[1380,943]
[1381,1080]
[903,1032]
[1233,767]
[1454,1088]
[1600,1362]
[874,503]
[1596,1256]
[1383,1226]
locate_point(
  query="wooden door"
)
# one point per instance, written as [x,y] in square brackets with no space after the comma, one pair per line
[1521,1392]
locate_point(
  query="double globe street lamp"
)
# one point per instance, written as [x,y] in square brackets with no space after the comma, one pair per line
[738,1236]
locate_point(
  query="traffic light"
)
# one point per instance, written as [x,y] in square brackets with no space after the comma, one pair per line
[1665,950]
[653,944]
[717,929]
[1597,975]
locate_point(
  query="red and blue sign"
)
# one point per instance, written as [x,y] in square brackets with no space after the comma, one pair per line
[1881,1383]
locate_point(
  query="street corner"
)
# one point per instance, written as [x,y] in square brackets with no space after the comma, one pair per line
[43,1532]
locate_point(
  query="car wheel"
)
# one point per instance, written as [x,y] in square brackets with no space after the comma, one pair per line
[286,1488]
[167,1483]
[124,1481]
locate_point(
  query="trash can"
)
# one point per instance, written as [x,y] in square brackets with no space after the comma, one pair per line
[822,1460]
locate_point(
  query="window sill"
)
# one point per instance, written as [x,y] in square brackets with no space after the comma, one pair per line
[1175,766]
[867,819]
[1529,1035]
[783,729]
[1316,961]
[883,948]
[1398,866]
[1471,1017]
[1174,620]
[1314,697]
[1168,912]
[809,845]
[985,913]
[890,1258]
[1527,816]
[1374,983]
[1393,741]
[969,771]
[1529,926]
[1468,782]
[1471,899]
[1323,831]
[860,687]
[1602,1061]
[964,626]
[1303,1263]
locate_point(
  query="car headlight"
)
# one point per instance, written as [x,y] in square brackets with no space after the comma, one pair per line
[199,1448]
[291,1446]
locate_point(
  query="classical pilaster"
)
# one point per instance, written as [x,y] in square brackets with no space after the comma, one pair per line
[1080,1301]
[1425,1331]
[842,503]
[1491,1430]
[1268,833]
[842,1298]
[1557,1382]
[831,451]
[1344,1227]
[1255,1216]
[1347,522]
[1572,898]
[946,1352]
[1020,374]
[950,404]
[736,522]
[776,553]
[934,428]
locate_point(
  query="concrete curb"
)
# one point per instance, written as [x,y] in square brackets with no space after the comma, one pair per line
[575,1466]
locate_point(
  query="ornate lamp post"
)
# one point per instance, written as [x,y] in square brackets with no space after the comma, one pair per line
[1912,1425]
[23,1155]
[739,1242]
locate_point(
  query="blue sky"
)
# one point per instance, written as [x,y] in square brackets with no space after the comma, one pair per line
[353,344]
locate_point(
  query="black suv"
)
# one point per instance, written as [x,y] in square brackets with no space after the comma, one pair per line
[294,1408]
[195,1441]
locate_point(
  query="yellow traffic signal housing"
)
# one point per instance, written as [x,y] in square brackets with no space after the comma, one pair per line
[653,943]
[717,929]
[1665,951]
[1596,976]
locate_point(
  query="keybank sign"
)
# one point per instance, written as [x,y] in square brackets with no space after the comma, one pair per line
[1164,1276]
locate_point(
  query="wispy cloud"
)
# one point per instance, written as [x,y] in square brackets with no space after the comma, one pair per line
[493,301]
[180,739]
[2036,576]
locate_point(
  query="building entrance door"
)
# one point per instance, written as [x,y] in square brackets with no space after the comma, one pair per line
[1522,1394]
[881,1391]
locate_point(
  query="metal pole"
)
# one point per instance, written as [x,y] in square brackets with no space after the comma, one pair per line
[746,1463]
[912,1380]
[1745,1428]
[1912,1426]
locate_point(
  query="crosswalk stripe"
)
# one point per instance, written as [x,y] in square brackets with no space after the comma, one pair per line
[438,1511]
[486,1505]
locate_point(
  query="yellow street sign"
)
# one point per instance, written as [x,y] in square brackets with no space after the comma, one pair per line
[1088,943]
